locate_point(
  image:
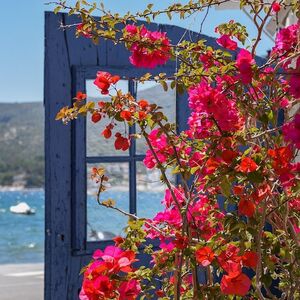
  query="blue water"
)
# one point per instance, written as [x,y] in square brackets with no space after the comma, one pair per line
[22,236]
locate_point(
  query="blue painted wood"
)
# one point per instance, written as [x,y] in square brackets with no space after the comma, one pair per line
[58,161]
[132,164]
[79,182]
[69,62]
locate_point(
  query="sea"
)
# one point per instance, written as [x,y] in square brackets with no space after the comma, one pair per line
[22,236]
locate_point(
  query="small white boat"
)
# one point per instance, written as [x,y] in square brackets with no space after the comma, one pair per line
[22,208]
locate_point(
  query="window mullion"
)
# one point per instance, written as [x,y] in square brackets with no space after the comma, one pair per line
[132,163]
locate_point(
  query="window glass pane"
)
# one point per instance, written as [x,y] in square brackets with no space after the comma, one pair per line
[104,223]
[153,92]
[150,191]
[97,145]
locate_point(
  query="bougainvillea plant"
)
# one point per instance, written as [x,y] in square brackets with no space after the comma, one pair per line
[233,149]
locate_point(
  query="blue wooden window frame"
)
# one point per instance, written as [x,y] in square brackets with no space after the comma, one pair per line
[80,74]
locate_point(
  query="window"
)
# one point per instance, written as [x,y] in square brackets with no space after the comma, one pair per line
[134,188]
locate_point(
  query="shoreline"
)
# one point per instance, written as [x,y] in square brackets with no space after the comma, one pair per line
[20,189]
[140,188]
[24,264]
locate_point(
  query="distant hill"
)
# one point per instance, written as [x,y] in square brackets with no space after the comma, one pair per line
[21,144]
[22,138]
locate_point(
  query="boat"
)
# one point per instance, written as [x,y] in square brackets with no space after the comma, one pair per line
[22,208]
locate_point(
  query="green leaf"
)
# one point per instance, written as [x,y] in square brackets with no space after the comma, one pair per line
[225,187]
[57,9]
[164,85]
[109,203]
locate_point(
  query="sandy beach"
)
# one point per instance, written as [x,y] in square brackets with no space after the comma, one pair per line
[22,281]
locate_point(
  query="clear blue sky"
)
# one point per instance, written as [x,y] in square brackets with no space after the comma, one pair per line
[22,41]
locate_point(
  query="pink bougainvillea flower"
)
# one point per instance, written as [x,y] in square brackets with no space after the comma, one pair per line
[286,39]
[244,64]
[83,295]
[109,253]
[161,146]
[131,29]
[291,131]
[168,200]
[226,42]
[276,7]
[210,107]
[167,246]
[129,290]
[204,256]
[294,83]
[142,56]
[115,259]
[238,285]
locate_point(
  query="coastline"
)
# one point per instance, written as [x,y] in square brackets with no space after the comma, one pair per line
[20,189]
[90,191]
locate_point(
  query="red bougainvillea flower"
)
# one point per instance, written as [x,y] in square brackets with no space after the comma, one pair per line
[230,261]
[204,256]
[247,165]
[276,7]
[126,115]
[100,287]
[104,80]
[181,242]
[141,56]
[84,32]
[238,285]
[244,64]
[107,132]
[129,290]
[281,158]
[261,193]
[228,156]
[143,104]
[80,96]
[291,131]
[238,189]
[118,240]
[226,42]
[160,293]
[246,208]
[142,115]
[96,117]
[121,143]
[250,259]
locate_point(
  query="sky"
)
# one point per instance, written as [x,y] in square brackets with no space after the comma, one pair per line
[22,40]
